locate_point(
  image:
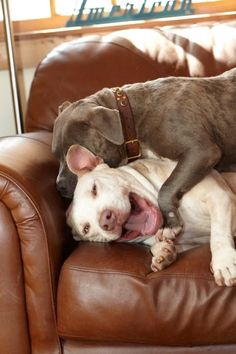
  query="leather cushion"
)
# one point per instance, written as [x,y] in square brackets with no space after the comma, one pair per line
[108,293]
[81,67]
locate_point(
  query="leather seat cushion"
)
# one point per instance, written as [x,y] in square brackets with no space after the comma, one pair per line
[107,292]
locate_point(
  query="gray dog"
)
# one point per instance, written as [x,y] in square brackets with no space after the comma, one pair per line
[190,120]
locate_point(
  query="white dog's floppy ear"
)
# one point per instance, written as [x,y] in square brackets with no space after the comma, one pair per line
[63,106]
[107,122]
[80,160]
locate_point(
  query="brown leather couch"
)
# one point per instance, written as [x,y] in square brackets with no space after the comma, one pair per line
[57,296]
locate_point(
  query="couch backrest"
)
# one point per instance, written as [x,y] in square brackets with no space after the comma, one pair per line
[81,67]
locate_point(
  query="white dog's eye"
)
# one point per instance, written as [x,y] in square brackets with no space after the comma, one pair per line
[94,190]
[86,228]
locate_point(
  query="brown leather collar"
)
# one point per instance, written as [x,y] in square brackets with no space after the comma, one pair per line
[132,145]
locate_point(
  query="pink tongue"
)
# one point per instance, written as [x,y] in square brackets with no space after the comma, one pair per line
[146,221]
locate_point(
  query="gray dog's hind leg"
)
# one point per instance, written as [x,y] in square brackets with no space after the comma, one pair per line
[191,168]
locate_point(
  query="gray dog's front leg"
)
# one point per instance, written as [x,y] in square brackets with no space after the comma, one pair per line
[191,168]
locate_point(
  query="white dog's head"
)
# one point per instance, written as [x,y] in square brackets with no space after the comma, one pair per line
[109,204]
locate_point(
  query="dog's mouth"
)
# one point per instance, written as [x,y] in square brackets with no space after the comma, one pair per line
[144,219]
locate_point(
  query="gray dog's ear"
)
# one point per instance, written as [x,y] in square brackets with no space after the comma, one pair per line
[107,122]
[63,106]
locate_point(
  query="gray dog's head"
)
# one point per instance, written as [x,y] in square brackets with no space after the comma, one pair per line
[91,125]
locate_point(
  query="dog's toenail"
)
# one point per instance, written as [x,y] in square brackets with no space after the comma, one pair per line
[160,259]
[211,268]
[169,241]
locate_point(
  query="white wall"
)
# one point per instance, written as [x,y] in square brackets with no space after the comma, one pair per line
[28,75]
[7,123]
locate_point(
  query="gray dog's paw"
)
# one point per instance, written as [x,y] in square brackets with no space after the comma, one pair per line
[164,253]
[171,228]
[168,233]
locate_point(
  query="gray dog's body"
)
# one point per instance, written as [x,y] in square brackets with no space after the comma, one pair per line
[191,120]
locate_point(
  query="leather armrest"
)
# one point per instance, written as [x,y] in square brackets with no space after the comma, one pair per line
[33,236]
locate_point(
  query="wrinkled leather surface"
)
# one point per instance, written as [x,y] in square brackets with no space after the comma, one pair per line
[12,304]
[117,298]
[77,69]
[108,301]
[32,242]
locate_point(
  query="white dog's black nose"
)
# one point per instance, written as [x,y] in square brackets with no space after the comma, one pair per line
[107,220]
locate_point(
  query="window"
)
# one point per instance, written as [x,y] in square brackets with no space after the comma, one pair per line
[31,15]
[27,9]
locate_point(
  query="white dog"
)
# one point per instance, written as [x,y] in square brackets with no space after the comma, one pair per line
[121,204]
